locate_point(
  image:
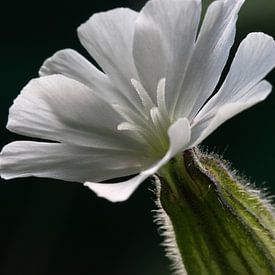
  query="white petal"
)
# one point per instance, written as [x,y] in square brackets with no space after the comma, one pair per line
[179,135]
[209,56]
[214,119]
[116,192]
[73,65]
[164,37]
[58,108]
[254,59]
[108,37]
[65,162]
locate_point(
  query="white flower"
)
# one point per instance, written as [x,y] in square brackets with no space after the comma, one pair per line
[149,104]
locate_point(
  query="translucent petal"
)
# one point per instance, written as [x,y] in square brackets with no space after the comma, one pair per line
[164,38]
[209,57]
[61,109]
[205,126]
[65,162]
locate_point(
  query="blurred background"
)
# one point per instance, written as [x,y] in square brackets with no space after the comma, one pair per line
[54,227]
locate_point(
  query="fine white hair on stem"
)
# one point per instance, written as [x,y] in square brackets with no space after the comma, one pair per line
[260,192]
[166,231]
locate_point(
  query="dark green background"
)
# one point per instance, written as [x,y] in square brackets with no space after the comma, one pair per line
[54,227]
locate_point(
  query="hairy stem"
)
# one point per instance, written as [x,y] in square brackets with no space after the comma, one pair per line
[220,225]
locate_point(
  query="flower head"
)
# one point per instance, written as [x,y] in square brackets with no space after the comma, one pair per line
[152,100]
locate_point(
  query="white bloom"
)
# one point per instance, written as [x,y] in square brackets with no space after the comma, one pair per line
[149,103]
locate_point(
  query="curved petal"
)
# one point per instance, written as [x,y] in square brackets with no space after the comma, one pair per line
[65,162]
[108,37]
[61,109]
[165,33]
[214,119]
[179,135]
[73,65]
[209,57]
[254,59]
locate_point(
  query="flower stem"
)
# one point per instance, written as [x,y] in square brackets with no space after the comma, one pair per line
[220,225]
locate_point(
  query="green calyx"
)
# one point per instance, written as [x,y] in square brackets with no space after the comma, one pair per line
[220,225]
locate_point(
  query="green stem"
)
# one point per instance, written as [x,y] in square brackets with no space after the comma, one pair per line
[220,226]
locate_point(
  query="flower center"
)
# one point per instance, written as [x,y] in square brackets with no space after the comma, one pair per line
[151,124]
